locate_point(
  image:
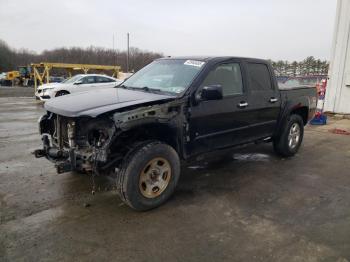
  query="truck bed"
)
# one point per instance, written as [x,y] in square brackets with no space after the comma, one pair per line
[298,91]
[300,95]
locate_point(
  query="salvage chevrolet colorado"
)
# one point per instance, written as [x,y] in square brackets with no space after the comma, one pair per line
[169,112]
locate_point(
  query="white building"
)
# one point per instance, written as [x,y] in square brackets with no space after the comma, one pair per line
[338,87]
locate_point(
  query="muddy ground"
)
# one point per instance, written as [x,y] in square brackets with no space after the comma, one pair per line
[254,206]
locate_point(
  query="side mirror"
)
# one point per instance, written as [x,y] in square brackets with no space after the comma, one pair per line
[79,82]
[212,92]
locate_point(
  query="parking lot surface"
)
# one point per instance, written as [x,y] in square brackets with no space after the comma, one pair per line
[251,206]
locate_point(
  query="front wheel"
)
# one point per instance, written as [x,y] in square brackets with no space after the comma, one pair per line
[148,175]
[287,143]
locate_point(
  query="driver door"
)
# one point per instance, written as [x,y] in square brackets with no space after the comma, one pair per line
[216,124]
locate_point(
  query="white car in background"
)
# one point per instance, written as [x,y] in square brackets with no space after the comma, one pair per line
[78,83]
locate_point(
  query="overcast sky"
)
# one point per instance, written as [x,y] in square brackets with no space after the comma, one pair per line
[276,29]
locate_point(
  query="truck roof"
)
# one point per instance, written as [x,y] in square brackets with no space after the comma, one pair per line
[215,58]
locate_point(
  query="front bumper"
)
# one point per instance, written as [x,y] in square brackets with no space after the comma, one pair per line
[64,160]
[43,95]
[72,144]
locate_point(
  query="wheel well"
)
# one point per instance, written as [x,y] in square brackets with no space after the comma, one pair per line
[161,132]
[62,91]
[302,111]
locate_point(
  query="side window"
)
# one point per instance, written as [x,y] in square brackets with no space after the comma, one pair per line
[101,79]
[88,80]
[259,77]
[110,80]
[229,76]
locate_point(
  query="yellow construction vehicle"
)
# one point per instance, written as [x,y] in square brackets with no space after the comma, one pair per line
[22,77]
[11,78]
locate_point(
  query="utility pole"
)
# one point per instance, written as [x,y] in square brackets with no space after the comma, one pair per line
[114,51]
[127,54]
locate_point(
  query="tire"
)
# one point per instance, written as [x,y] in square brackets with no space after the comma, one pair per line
[148,175]
[292,129]
[61,93]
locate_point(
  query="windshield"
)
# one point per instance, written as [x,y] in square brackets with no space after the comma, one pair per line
[72,79]
[169,76]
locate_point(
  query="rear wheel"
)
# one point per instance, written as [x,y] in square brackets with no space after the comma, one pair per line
[287,143]
[148,175]
[62,93]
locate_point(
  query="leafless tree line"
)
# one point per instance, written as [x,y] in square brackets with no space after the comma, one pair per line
[10,58]
[309,66]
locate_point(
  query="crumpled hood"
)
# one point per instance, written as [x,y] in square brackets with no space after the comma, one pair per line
[96,102]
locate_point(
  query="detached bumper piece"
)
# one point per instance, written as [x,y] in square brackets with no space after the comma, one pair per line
[64,161]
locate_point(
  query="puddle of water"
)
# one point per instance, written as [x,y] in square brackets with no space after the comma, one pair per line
[252,157]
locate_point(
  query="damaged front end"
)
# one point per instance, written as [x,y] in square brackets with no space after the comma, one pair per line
[89,144]
[75,143]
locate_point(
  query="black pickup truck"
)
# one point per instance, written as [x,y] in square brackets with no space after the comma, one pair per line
[172,111]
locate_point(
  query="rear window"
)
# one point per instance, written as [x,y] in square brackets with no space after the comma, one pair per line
[259,77]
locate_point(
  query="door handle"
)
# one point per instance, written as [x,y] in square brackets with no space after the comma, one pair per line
[242,104]
[273,100]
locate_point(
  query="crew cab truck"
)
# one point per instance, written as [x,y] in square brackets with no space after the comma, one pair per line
[171,111]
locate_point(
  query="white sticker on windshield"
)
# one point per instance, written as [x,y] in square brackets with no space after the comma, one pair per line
[194,63]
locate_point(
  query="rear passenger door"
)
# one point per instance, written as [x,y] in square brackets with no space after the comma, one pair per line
[263,98]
